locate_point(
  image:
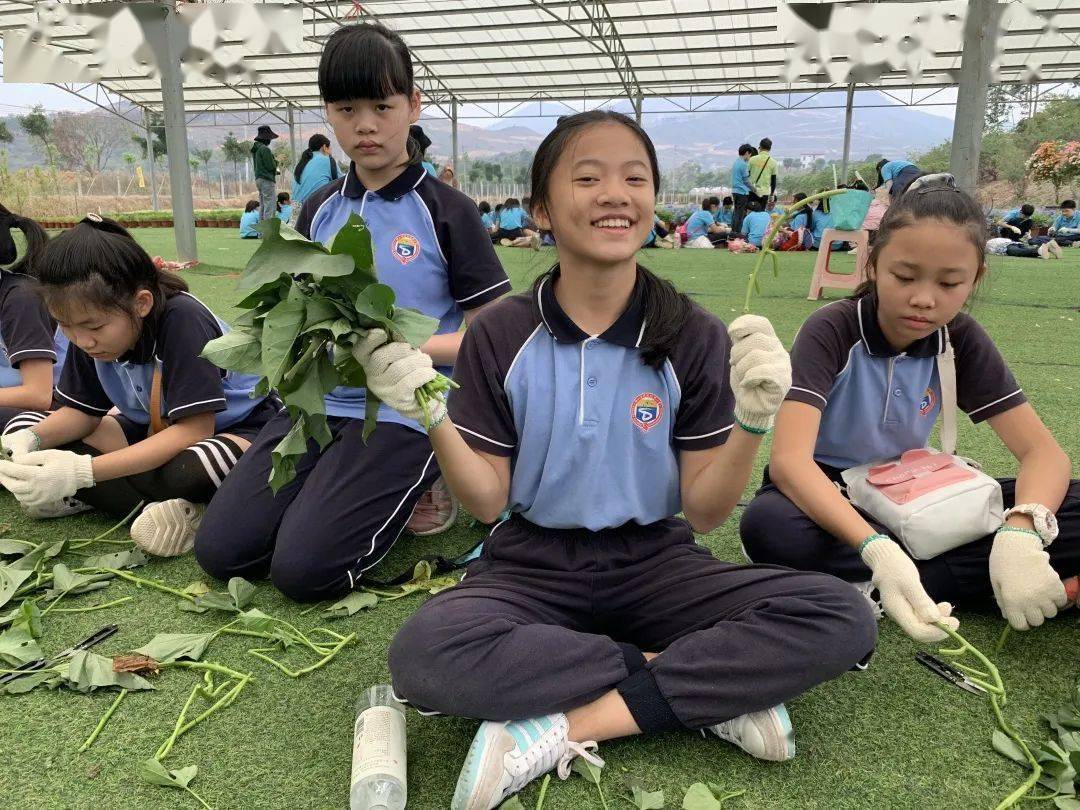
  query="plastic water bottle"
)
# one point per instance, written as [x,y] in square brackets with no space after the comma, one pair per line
[378,765]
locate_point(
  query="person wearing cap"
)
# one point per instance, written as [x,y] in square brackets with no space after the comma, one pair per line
[416,133]
[266,169]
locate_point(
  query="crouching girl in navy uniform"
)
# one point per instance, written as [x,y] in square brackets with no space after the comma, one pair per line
[866,387]
[348,503]
[180,423]
[597,407]
[31,349]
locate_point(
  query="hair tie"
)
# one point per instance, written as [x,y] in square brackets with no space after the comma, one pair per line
[96,218]
[942,181]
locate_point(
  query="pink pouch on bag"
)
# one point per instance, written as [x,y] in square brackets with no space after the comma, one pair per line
[917,473]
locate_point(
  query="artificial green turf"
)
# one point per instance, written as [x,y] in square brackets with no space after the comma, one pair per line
[893,736]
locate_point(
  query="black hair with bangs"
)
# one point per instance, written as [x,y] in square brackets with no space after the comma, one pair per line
[365,61]
[98,263]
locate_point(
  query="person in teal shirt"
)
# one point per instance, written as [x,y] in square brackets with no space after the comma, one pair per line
[249,220]
[740,185]
[314,170]
[1065,229]
[755,225]
[284,206]
[486,216]
[900,172]
[701,224]
[725,215]
[822,220]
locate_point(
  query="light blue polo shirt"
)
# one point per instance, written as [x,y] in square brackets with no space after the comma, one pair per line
[724,216]
[821,222]
[1072,223]
[430,247]
[593,433]
[698,224]
[512,218]
[877,401]
[248,221]
[894,167]
[740,177]
[316,174]
[755,225]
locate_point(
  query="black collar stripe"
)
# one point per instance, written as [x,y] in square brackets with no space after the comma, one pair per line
[411,176]
[628,329]
[873,339]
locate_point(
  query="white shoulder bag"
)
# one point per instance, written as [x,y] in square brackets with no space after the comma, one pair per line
[930,502]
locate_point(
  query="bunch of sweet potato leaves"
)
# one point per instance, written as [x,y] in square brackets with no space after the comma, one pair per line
[305,308]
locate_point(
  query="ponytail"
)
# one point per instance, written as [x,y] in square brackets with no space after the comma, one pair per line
[35,236]
[314,144]
[305,158]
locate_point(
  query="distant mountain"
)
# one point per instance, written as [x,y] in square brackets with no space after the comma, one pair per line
[709,138]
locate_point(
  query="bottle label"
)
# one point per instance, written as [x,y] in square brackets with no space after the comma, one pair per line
[379,744]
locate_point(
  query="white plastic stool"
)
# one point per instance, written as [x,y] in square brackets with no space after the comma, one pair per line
[848,281]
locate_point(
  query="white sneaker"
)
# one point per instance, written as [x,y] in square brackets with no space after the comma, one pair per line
[55,509]
[1054,249]
[167,528]
[504,757]
[1044,250]
[869,590]
[763,735]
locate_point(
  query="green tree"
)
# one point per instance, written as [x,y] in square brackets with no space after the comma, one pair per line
[5,133]
[204,156]
[157,133]
[37,125]
[235,152]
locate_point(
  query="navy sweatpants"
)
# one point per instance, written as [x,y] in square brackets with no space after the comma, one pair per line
[774,530]
[557,618]
[337,518]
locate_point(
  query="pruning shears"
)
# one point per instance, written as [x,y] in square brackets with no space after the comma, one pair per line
[41,663]
[949,673]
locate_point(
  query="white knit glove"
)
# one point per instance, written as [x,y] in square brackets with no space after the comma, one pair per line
[21,442]
[1027,589]
[394,372]
[46,476]
[760,372]
[902,594]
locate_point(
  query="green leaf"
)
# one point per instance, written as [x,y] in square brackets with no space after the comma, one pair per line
[258,621]
[306,390]
[1006,747]
[376,304]
[65,581]
[88,671]
[28,617]
[354,241]
[237,351]
[283,250]
[699,797]
[9,547]
[586,769]
[353,603]
[1066,803]
[283,457]
[513,803]
[168,647]
[10,580]
[414,327]
[216,601]
[645,800]
[241,592]
[17,646]
[132,558]
[33,680]
[371,415]
[280,330]
[152,771]
[46,549]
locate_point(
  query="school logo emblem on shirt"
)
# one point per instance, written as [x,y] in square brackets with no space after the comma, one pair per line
[405,247]
[926,404]
[646,411]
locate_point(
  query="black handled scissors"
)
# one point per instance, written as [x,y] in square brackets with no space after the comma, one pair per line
[42,663]
[949,673]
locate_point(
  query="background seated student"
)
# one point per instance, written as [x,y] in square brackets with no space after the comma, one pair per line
[798,234]
[1065,229]
[865,387]
[284,206]
[180,423]
[512,231]
[31,348]
[486,215]
[822,220]
[756,224]
[249,219]
[1044,249]
[1016,224]
[725,215]
[896,175]
[702,224]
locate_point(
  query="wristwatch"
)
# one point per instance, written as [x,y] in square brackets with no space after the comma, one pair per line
[1046,525]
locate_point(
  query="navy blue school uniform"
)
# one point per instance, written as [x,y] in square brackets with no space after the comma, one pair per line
[888,401]
[593,566]
[348,503]
[27,332]
[190,385]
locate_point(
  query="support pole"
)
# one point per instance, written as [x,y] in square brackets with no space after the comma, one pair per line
[847,131]
[150,160]
[454,136]
[637,100]
[172,97]
[292,139]
[980,45]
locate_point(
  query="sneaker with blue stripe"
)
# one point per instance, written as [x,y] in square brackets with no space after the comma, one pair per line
[764,735]
[504,757]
